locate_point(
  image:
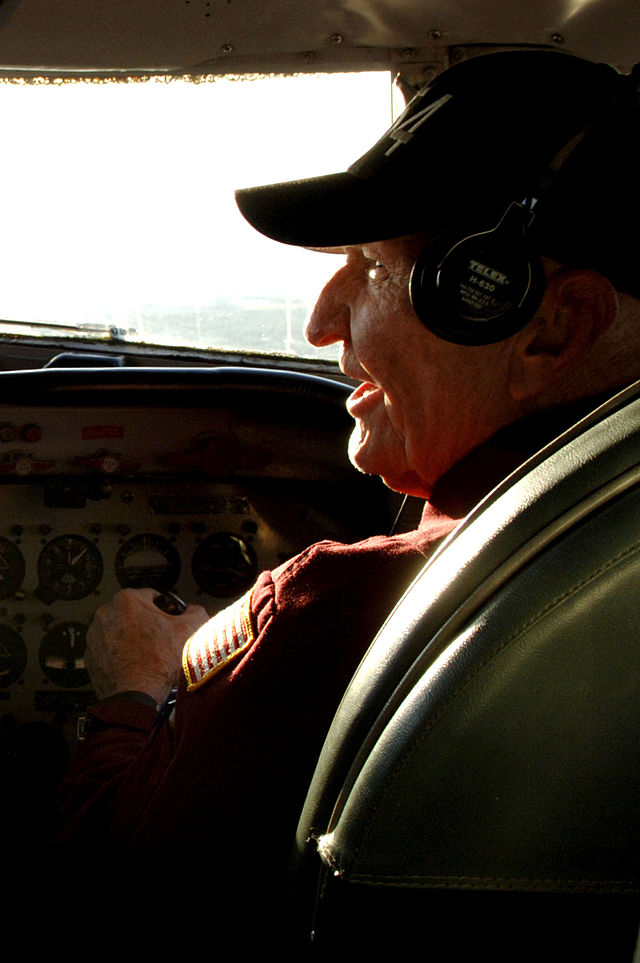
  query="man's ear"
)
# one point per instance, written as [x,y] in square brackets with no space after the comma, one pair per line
[577,307]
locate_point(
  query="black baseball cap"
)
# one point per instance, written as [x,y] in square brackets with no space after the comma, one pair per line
[489,130]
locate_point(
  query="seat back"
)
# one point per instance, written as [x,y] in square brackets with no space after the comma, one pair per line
[481,776]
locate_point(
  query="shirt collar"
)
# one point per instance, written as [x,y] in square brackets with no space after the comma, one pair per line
[475,475]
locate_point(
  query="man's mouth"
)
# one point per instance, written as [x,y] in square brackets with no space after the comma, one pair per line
[363,398]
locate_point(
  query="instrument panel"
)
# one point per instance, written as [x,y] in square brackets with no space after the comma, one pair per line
[59,563]
[195,490]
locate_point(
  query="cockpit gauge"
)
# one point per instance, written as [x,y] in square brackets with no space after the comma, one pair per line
[224,565]
[62,655]
[13,656]
[147,561]
[12,568]
[69,567]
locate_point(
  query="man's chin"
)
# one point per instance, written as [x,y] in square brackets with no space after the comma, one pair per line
[408,484]
[389,470]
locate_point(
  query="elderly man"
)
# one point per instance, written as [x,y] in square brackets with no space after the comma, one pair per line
[486,302]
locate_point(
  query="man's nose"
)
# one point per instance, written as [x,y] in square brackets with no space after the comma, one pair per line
[329,320]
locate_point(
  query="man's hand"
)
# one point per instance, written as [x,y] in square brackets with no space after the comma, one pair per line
[133,645]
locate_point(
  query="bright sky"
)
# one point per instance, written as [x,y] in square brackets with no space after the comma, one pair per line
[124,192]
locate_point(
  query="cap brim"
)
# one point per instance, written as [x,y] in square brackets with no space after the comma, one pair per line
[322,212]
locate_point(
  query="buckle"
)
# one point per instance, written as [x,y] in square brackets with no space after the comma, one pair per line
[83,726]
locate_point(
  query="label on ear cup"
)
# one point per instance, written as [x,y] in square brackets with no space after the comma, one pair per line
[483,292]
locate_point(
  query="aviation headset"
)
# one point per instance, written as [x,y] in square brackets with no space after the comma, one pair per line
[484,287]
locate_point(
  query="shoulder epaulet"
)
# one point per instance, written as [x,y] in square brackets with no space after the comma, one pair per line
[218,642]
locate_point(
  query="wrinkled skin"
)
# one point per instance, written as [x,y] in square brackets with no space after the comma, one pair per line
[133,645]
[422,403]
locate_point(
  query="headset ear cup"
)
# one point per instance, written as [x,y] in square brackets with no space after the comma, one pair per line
[482,288]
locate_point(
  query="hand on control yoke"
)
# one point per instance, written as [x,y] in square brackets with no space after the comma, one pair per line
[132,644]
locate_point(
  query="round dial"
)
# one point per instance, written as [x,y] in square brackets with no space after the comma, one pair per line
[148,561]
[224,565]
[13,655]
[70,567]
[62,654]
[12,568]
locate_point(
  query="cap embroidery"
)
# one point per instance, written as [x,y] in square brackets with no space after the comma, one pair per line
[403,130]
[218,642]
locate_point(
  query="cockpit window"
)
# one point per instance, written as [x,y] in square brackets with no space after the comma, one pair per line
[118,215]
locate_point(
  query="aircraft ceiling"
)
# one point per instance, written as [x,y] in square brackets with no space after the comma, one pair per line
[233,36]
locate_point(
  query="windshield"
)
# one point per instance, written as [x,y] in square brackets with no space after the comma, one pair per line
[118,215]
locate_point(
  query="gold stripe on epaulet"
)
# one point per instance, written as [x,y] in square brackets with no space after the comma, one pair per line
[218,642]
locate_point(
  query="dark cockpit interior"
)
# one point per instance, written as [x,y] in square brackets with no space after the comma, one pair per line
[187,445]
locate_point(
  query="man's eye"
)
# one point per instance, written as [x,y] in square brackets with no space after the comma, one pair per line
[377,271]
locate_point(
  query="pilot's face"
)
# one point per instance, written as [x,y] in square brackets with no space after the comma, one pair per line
[422,403]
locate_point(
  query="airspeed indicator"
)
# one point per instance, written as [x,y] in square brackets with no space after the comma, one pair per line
[70,567]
